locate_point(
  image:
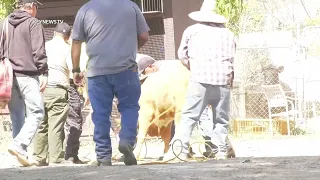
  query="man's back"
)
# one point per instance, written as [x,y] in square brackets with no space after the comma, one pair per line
[211,50]
[110,31]
[58,52]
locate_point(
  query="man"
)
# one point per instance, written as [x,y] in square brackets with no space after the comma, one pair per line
[48,142]
[73,125]
[146,65]
[29,61]
[112,44]
[209,48]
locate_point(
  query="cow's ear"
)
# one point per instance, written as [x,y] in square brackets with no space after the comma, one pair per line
[280,69]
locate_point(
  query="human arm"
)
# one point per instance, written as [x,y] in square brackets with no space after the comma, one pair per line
[85,90]
[38,47]
[39,52]
[78,36]
[142,27]
[183,49]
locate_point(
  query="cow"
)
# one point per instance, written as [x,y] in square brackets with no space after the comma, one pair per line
[163,95]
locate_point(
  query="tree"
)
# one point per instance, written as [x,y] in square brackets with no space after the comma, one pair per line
[6,7]
[252,17]
[231,9]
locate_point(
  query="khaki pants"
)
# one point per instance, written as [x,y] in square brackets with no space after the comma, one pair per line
[49,138]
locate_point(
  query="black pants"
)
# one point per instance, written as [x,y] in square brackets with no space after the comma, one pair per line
[73,125]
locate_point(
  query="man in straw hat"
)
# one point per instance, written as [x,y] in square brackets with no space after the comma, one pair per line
[209,48]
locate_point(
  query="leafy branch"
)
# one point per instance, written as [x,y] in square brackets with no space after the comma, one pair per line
[232,10]
[6,7]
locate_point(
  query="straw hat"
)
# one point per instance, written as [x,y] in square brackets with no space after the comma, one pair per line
[207,14]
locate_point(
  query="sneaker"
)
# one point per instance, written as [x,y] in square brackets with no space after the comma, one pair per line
[21,156]
[175,154]
[129,158]
[98,163]
[220,156]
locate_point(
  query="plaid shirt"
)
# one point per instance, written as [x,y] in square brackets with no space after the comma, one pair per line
[210,50]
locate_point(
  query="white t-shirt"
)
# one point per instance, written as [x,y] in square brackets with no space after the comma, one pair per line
[83,60]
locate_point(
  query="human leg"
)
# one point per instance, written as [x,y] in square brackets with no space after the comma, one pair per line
[30,93]
[101,96]
[195,104]
[57,105]
[73,125]
[17,108]
[128,90]
[221,122]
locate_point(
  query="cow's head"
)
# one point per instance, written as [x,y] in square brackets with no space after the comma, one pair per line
[271,75]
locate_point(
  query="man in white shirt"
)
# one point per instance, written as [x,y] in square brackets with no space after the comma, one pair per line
[48,142]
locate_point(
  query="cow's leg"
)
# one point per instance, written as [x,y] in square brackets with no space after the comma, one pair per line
[145,118]
[165,134]
[142,133]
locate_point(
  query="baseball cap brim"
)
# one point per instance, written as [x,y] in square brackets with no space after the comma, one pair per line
[39,3]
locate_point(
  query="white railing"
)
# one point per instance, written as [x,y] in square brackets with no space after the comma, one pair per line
[152,6]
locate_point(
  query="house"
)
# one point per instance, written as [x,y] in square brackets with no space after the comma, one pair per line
[167,20]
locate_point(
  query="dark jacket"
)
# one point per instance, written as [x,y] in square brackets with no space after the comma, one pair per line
[26,44]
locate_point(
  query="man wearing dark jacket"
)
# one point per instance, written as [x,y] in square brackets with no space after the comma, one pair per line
[29,62]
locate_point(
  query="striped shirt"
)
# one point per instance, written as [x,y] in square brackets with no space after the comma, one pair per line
[210,50]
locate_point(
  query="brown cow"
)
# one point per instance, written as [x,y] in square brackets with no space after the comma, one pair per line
[162,97]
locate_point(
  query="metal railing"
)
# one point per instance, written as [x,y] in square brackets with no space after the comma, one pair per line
[152,6]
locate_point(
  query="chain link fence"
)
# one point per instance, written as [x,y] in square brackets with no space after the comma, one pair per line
[294,67]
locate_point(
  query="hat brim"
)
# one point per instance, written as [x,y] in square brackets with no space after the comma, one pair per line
[208,16]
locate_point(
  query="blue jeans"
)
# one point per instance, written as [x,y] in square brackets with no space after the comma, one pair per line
[199,96]
[26,110]
[127,89]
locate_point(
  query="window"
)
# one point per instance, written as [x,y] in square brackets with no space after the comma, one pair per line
[150,5]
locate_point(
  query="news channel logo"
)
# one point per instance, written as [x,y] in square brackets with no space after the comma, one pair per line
[50,21]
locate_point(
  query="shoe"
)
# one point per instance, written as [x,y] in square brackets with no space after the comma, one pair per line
[39,163]
[220,156]
[129,158]
[208,154]
[75,160]
[175,154]
[21,157]
[61,163]
[98,163]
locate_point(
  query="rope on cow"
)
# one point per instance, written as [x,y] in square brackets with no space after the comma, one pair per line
[154,120]
[204,158]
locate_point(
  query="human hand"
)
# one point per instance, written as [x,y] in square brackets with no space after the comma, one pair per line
[77,79]
[43,83]
[86,99]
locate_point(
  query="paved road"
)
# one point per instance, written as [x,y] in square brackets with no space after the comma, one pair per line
[290,168]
